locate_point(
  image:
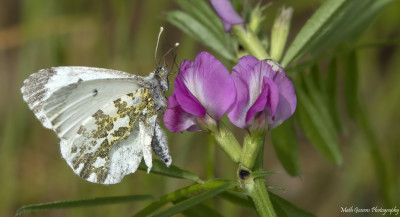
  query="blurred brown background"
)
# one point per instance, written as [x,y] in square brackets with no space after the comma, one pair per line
[36,34]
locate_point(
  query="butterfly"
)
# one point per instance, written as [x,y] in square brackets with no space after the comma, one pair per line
[106,119]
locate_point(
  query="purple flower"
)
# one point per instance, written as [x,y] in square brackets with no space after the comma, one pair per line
[227,14]
[265,96]
[204,91]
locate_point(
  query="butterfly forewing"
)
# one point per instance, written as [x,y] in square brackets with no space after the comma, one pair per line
[74,86]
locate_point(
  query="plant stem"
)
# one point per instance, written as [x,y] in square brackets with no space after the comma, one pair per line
[252,145]
[228,142]
[259,194]
[252,158]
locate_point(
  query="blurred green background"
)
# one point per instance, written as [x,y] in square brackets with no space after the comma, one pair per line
[122,35]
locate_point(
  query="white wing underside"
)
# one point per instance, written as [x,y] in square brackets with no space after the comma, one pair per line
[65,99]
[62,97]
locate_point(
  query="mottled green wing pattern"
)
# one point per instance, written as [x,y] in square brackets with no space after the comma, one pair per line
[111,143]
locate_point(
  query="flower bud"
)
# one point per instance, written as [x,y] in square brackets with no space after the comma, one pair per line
[279,33]
[256,18]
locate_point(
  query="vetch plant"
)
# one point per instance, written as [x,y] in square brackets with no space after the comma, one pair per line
[265,95]
[259,97]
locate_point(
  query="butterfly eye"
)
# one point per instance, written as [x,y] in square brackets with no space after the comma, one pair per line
[161,71]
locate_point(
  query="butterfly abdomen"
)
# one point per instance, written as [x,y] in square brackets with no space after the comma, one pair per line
[160,145]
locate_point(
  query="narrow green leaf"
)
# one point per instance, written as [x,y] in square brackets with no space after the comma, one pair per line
[152,207]
[338,52]
[315,25]
[334,22]
[276,188]
[199,32]
[284,141]
[311,83]
[238,199]
[179,194]
[317,128]
[316,77]
[208,13]
[378,159]
[351,83]
[354,19]
[67,204]
[202,12]
[284,208]
[171,171]
[258,174]
[184,205]
[331,98]
[199,210]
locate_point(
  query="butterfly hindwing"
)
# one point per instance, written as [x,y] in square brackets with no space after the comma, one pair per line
[111,143]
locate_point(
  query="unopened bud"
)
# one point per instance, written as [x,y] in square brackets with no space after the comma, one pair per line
[280,31]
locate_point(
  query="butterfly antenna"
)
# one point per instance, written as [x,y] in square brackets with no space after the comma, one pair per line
[175,64]
[158,40]
[171,49]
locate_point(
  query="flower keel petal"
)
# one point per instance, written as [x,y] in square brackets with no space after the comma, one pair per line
[176,119]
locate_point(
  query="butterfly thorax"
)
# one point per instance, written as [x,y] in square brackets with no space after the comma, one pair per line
[161,75]
[160,85]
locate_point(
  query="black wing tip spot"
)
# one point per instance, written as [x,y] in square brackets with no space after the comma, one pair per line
[95,92]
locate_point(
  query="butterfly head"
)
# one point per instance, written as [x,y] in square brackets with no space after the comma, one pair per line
[161,75]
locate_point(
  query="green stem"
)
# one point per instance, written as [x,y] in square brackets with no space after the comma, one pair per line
[250,42]
[228,142]
[252,158]
[252,145]
[259,194]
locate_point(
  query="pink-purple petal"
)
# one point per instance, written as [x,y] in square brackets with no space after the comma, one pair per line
[227,13]
[185,98]
[248,88]
[238,111]
[204,90]
[245,65]
[262,86]
[287,95]
[267,101]
[176,119]
[210,83]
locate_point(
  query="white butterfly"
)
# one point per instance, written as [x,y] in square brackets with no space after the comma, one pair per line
[106,119]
